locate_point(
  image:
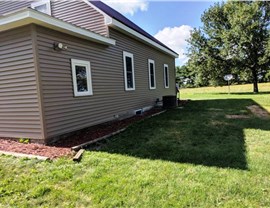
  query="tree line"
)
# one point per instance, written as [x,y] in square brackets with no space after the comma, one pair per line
[234,39]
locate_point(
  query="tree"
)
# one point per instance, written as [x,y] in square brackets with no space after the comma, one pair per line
[184,76]
[235,39]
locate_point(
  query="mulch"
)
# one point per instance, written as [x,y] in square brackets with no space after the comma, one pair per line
[51,152]
[63,146]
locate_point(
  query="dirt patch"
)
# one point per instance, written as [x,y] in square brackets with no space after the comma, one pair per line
[258,111]
[237,116]
[63,146]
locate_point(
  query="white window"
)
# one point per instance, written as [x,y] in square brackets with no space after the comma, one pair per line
[166,76]
[43,6]
[81,74]
[129,71]
[152,74]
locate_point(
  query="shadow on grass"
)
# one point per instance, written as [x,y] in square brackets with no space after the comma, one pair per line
[198,134]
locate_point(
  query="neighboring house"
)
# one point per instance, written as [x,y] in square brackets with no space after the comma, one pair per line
[75,64]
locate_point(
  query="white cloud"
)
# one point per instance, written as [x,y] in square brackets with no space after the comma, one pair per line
[175,38]
[128,6]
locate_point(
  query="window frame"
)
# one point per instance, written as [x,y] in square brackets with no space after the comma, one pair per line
[168,75]
[40,3]
[150,61]
[130,55]
[86,64]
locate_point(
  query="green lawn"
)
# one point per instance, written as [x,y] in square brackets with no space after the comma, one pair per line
[190,157]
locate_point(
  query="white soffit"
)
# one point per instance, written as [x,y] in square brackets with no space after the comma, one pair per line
[30,16]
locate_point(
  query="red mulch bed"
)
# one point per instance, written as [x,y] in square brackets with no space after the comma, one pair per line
[11,145]
[63,146]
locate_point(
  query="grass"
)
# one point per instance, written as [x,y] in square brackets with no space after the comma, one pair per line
[191,157]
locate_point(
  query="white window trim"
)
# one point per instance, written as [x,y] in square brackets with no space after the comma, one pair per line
[164,74]
[42,2]
[86,64]
[150,61]
[126,54]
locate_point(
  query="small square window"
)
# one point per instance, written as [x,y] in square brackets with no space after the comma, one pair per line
[166,76]
[152,74]
[81,74]
[43,6]
[129,71]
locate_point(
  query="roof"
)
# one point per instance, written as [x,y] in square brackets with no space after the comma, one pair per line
[119,17]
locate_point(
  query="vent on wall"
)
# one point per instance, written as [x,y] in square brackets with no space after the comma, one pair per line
[138,112]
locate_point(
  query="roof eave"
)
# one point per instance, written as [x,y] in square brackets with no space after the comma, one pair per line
[30,16]
[113,23]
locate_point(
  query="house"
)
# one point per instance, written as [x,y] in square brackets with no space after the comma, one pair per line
[68,65]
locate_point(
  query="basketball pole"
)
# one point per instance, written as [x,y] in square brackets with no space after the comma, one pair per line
[229,90]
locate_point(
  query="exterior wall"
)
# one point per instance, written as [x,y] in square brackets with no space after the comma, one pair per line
[65,113]
[75,12]
[11,6]
[19,98]
[81,14]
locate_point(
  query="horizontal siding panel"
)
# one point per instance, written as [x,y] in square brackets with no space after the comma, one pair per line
[20,50]
[73,127]
[22,89]
[18,101]
[15,39]
[64,112]
[90,109]
[9,6]
[17,84]
[27,132]
[19,105]
[14,59]
[15,76]
[17,70]
[19,109]
[16,125]
[11,119]
[22,113]
[80,14]
[18,67]
[31,98]
[18,80]
[16,63]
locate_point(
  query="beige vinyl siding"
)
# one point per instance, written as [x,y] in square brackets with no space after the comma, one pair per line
[11,6]
[81,14]
[64,112]
[75,12]
[19,107]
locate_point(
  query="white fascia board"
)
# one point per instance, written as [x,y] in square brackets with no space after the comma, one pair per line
[29,16]
[118,25]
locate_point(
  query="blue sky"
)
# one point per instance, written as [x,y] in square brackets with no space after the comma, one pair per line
[161,14]
[168,21]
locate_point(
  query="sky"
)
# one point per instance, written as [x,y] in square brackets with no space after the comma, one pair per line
[168,21]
